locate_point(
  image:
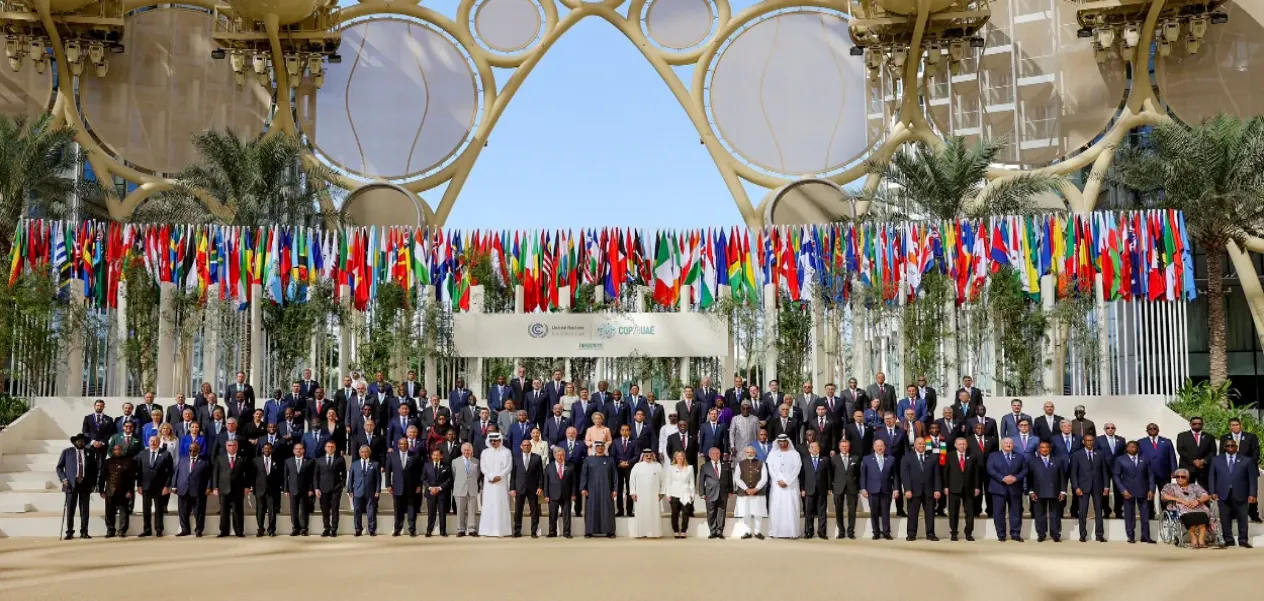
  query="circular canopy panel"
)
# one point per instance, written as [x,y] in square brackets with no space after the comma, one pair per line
[401,103]
[909,7]
[384,205]
[25,92]
[287,11]
[165,89]
[1227,74]
[678,24]
[67,6]
[508,25]
[786,96]
[808,201]
[1036,88]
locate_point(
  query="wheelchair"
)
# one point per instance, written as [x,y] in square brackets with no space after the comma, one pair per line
[1173,532]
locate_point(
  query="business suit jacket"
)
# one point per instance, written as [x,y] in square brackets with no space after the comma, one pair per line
[232,479]
[1160,455]
[537,405]
[384,388]
[1137,479]
[959,481]
[998,467]
[246,388]
[244,411]
[299,481]
[98,430]
[497,395]
[517,391]
[815,481]
[853,400]
[1047,481]
[1112,446]
[1028,447]
[1248,445]
[896,440]
[175,413]
[465,482]
[861,437]
[330,476]
[1188,450]
[917,405]
[458,399]
[951,429]
[616,416]
[693,413]
[395,430]
[525,478]
[621,452]
[790,428]
[559,488]
[581,415]
[144,413]
[280,447]
[712,486]
[362,483]
[156,470]
[931,397]
[553,391]
[192,478]
[1060,448]
[885,394]
[575,453]
[314,442]
[690,447]
[403,478]
[68,468]
[1090,475]
[342,400]
[806,405]
[1009,424]
[922,478]
[1234,484]
[243,444]
[989,425]
[647,438]
[390,410]
[707,397]
[713,437]
[877,481]
[518,432]
[655,415]
[1041,428]
[827,436]
[265,481]
[130,449]
[440,477]
[136,424]
[409,391]
[845,475]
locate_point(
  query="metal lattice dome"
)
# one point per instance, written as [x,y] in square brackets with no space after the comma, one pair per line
[909,7]
[67,6]
[287,11]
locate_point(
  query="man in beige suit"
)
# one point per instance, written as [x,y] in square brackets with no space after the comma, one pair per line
[465,481]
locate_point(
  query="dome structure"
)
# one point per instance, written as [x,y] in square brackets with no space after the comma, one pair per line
[57,7]
[909,7]
[288,12]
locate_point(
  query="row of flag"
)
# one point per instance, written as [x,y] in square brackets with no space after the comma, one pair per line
[1140,255]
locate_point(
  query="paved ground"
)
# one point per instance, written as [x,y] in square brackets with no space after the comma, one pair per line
[45,569]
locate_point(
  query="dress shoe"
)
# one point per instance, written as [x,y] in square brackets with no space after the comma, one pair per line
[551,535]
[1257,521]
[412,532]
[357,533]
[953,538]
[901,514]
[611,535]
[428,534]
[1149,541]
[566,536]
[840,536]
[144,534]
[533,535]
[259,533]
[747,535]
[1228,543]
[158,534]
[588,536]
[1084,539]
[1057,539]
[238,535]
[851,535]
[1101,539]
[969,538]
[294,533]
[1040,538]
[474,534]
[1018,539]
[515,535]
[877,537]
[222,535]
[197,535]
[1246,545]
[109,535]
[305,532]
[395,533]
[1132,541]
[932,538]
[807,536]
[822,536]
[372,533]
[999,539]
[460,534]
[122,535]
[759,536]
[887,537]
[910,538]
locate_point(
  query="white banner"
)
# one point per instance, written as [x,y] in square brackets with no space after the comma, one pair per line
[589,335]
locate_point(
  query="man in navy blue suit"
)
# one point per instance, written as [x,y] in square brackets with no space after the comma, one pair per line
[98,427]
[498,394]
[921,476]
[625,452]
[193,482]
[576,452]
[1160,454]
[555,426]
[1046,481]
[879,475]
[1134,477]
[713,435]
[403,482]
[1006,472]
[1234,485]
[1065,444]
[459,397]
[1090,481]
[1112,446]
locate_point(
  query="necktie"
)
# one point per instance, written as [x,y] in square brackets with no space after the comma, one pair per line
[267,466]
[879,463]
[437,464]
[1134,461]
[467,467]
[1231,463]
[920,460]
[1046,463]
[822,422]
[1090,456]
[192,460]
[299,464]
[329,461]
[1007,458]
[231,461]
[559,471]
[1197,438]
[364,465]
[153,458]
[815,463]
[127,441]
[961,461]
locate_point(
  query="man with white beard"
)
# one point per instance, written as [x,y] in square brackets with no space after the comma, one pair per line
[783,467]
[750,478]
[496,463]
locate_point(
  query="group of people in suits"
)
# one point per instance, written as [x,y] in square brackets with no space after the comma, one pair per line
[370,438]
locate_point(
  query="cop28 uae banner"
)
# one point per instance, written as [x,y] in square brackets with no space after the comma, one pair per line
[590,335]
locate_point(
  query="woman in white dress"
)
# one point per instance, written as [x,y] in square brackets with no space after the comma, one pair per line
[496,464]
[539,446]
[647,486]
[680,494]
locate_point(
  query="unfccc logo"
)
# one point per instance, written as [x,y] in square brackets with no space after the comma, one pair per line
[537,330]
[606,331]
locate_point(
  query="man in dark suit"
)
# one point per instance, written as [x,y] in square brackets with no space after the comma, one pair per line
[397,428]
[911,401]
[559,492]
[825,427]
[921,479]
[380,388]
[878,483]
[193,484]
[814,486]
[518,387]
[885,393]
[1195,449]
[1112,447]
[536,403]
[240,407]
[961,485]
[689,409]
[1248,447]
[1048,425]
[554,390]
[154,486]
[980,417]
[1064,445]
[1007,471]
[377,443]
[436,482]
[617,412]
[859,434]
[526,486]
[232,433]
[343,398]
[299,480]
[431,413]
[974,395]
[145,410]
[952,427]
[626,452]
[854,398]
[981,446]
[1046,481]
[1160,455]
[1010,421]
[98,427]
[498,394]
[459,397]
[1090,481]
[644,436]
[927,394]
[783,423]
[734,396]
[713,435]
[1234,481]
[329,480]
[706,394]
[845,484]
[684,442]
[269,476]
[117,480]
[835,408]
[229,482]
[128,438]
[1135,478]
[175,411]
[896,442]
[555,426]
[128,417]
[239,385]
[403,482]
[78,470]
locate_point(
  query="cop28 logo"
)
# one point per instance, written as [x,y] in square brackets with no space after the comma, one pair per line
[537,330]
[606,331]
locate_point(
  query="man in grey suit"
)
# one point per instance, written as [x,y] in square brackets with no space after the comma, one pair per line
[364,487]
[806,401]
[853,398]
[715,482]
[465,481]
[885,393]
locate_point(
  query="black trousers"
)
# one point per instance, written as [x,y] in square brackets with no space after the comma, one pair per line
[560,509]
[980,501]
[623,488]
[404,506]
[1231,510]
[232,512]
[195,506]
[77,500]
[362,506]
[520,501]
[437,510]
[1253,511]
[680,513]
[1048,517]
[1071,500]
[329,503]
[1137,505]
[299,513]
[926,505]
[715,515]
[267,506]
[849,500]
[117,513]
[153,510]
[961,504]
[814,509]
[880,513]
[1096,499]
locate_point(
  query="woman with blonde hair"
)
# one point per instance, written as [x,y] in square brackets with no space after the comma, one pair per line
[680,494]
[167,440]
[598,431]
[568,397]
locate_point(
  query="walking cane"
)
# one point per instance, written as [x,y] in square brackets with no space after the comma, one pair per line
[61,535]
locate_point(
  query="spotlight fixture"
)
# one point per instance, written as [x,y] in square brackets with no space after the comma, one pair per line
[898,56]
[73,51]
[219,54]
[1132,35]
[1084,32]
[1219,18]
[933,53]
[1192,43]
[1171,31]
[1105,37]
[1198,27]
[956,50]
[977,42]
[1165,48]
[260,63]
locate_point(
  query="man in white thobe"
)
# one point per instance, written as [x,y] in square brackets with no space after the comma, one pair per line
[664,433]
[496,463]
[783,467]
[647,485]
[749,481]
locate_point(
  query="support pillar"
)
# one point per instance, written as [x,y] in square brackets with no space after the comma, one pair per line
[210,339]
[428,365]
[730,358]
[345,337]
[1103,337]
[952,373]
[118,370]
[859,340]
[71,384]
[905,374]
[770,333]
[599,297]
[474,365]
[1048,345]
[818,346]
[686,306]
[166,343]
[255,377]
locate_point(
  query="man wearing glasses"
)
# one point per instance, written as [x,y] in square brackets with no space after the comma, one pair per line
[1112,446]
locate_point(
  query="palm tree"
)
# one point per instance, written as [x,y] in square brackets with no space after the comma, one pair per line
[1214,173]
[951,182]
[244,182]
[37,172]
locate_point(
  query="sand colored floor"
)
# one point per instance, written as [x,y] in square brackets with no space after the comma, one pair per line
[696,570]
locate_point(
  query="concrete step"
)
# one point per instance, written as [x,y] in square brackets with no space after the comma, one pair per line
[54,446]
[29,481]
[29,462]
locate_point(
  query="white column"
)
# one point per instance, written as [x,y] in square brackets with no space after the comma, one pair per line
[599,296]
[951,370]
[256,340]
[905,375]
[431,379]
[345,337]
[166,342]
[1103,336]
[474,365]
[730,359]
[686,305]
[859,343]
[770,332]
[1047,298]
[118,371]
[818,346]
[71,384]
[210,338]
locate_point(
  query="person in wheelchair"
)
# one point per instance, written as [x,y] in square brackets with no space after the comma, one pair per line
[1189,501]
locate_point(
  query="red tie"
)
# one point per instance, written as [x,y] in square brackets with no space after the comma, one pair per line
[962,460]
[231,461]
[559,471]
[1196,438]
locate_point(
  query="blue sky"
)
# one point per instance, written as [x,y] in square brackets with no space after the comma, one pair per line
[592,138]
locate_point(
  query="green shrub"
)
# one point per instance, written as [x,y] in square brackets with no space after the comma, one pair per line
[11,408]
[1211,402]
